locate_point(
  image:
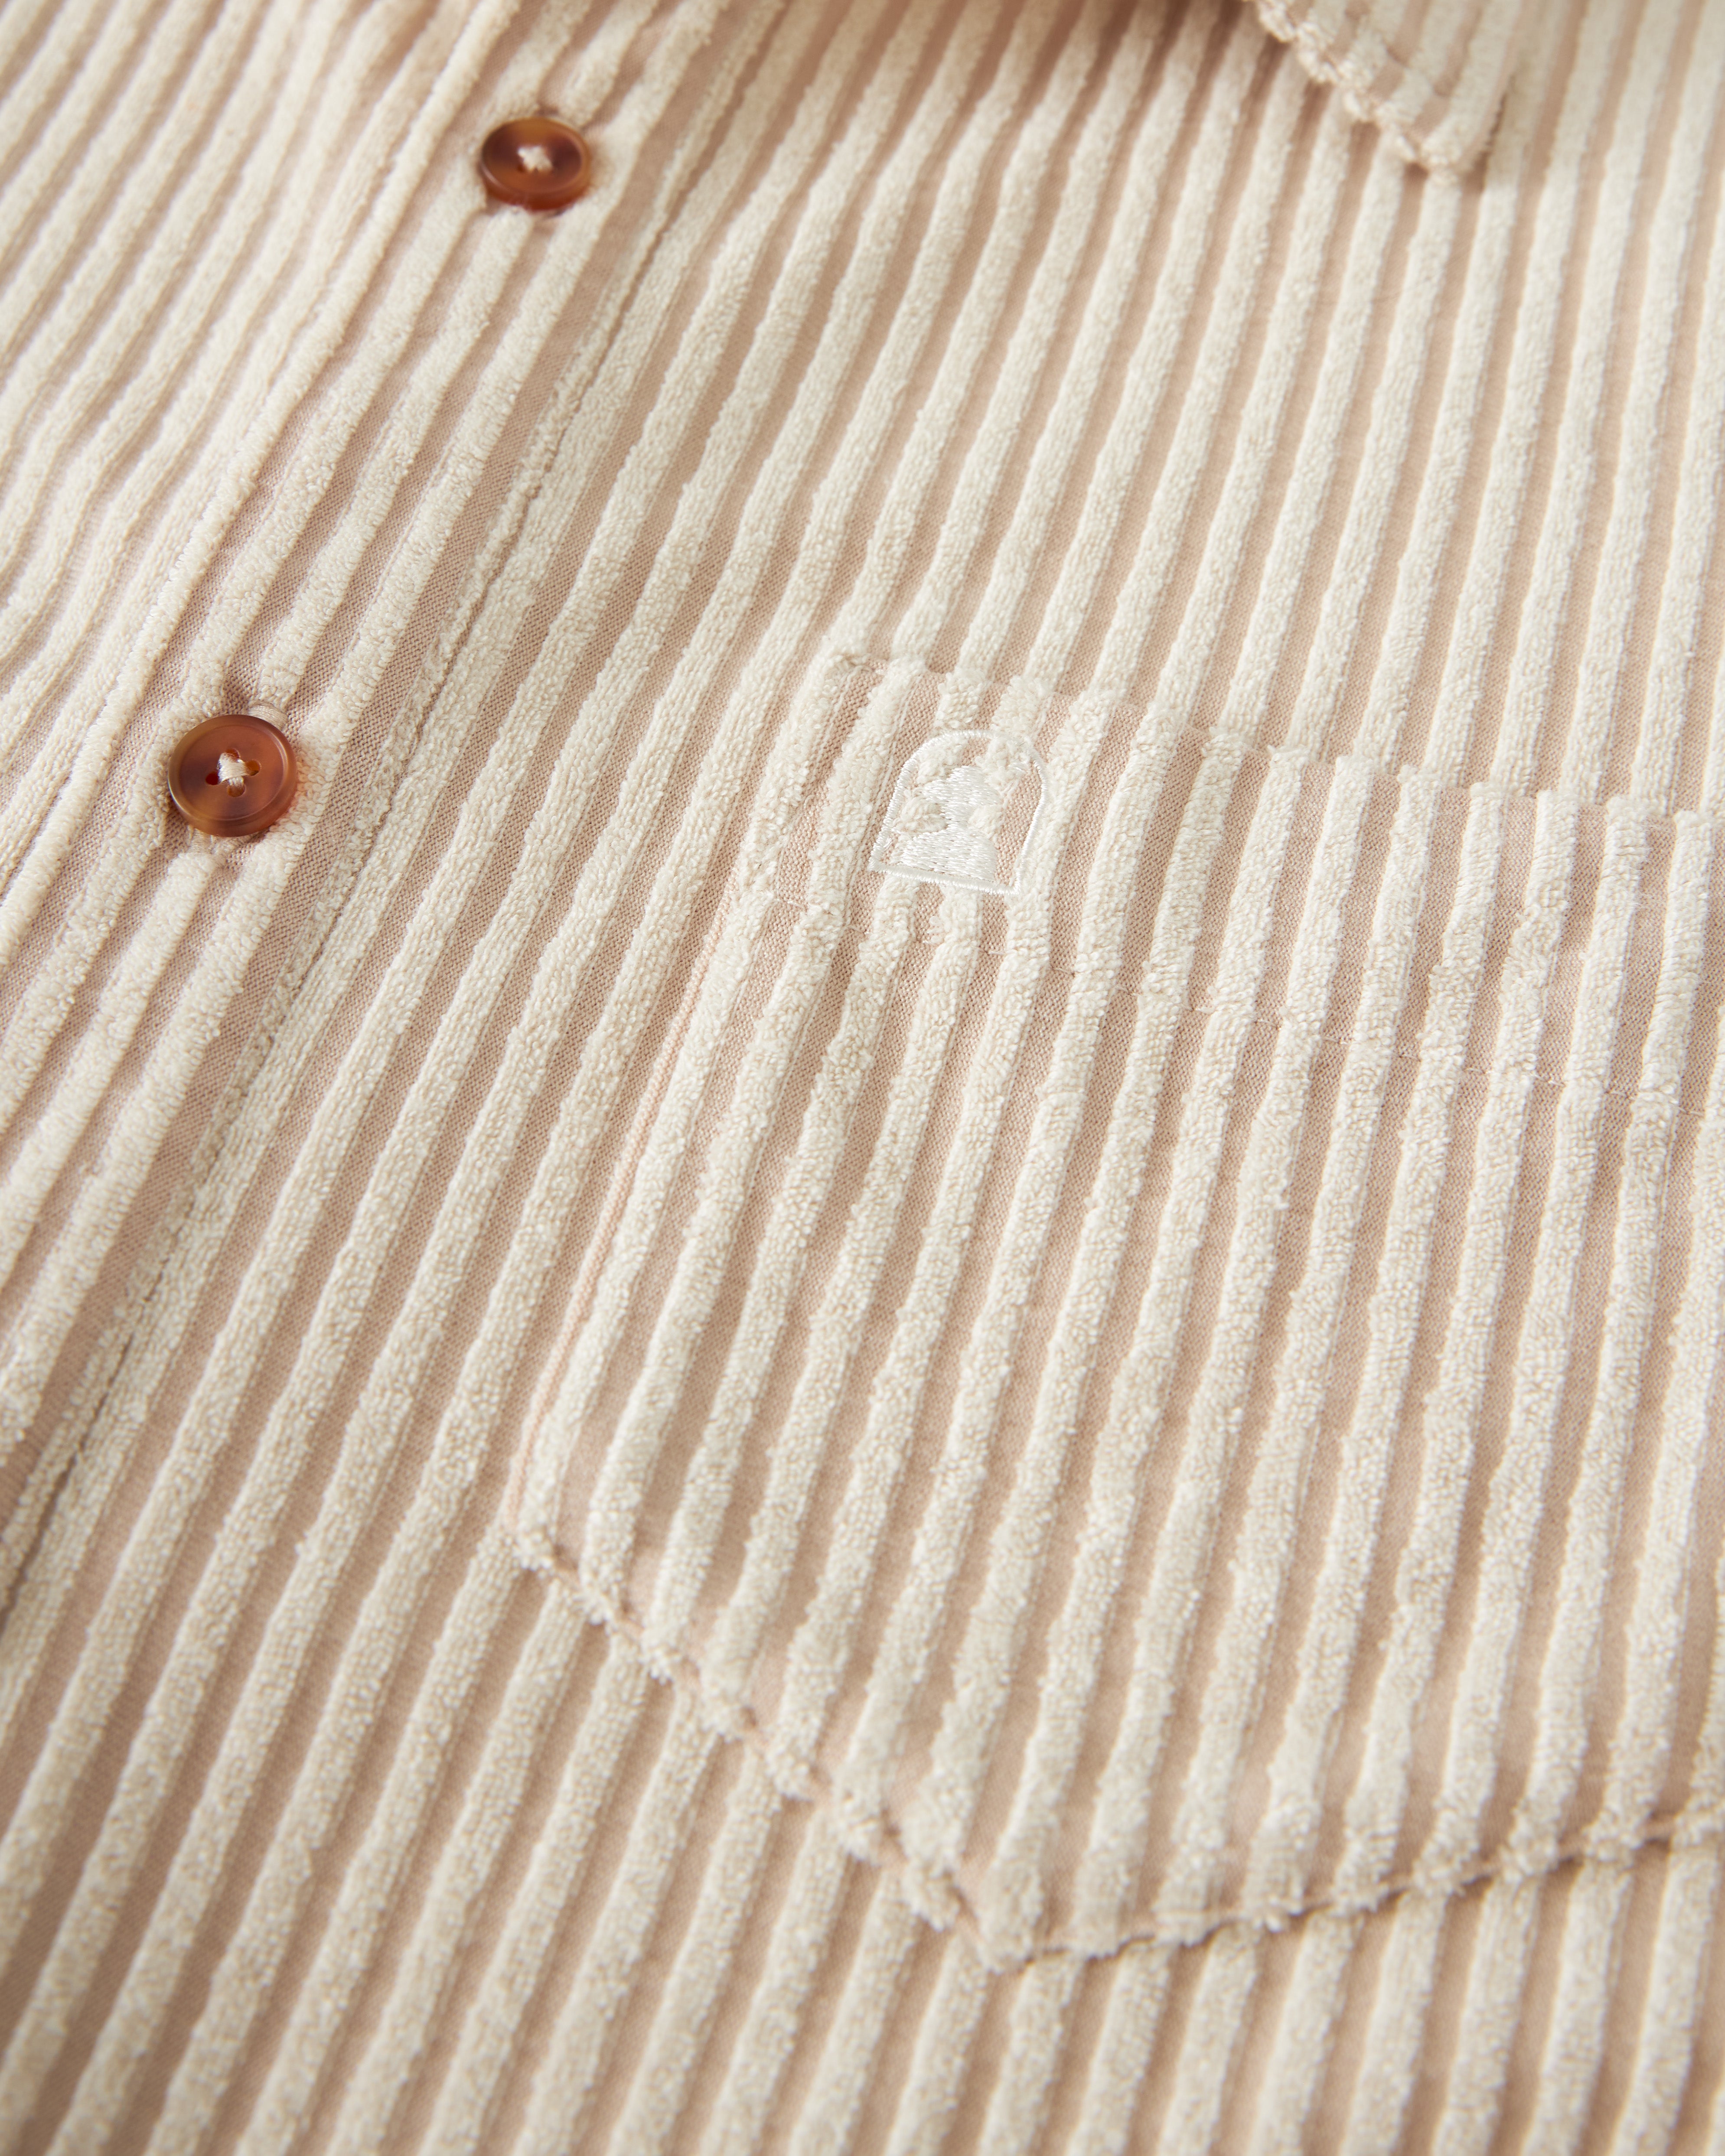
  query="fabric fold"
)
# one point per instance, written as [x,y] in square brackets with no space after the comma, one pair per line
[1429,73]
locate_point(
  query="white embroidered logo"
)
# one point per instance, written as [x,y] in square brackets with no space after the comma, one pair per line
[963,813]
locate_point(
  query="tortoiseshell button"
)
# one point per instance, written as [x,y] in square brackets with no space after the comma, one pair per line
[535,164]
[232,776]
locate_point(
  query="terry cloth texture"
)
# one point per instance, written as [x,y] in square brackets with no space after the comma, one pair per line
[1429,73]
[995,995]
[1069,1355]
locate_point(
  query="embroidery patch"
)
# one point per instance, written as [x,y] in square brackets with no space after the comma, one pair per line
[964,813]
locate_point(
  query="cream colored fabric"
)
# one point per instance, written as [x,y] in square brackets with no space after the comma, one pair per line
[1344,541]
[1431,73]
[1110,1213]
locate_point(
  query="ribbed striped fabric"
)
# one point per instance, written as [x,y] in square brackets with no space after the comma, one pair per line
[1040,1237]
[1430,75]
[613,1931]
[1240,1585]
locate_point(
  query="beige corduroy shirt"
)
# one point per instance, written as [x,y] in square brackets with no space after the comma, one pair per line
[909,1336]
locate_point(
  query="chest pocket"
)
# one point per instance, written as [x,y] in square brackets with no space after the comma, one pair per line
[1033,1390]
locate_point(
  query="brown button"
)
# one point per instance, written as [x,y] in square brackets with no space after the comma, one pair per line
[535,164]
[232,776]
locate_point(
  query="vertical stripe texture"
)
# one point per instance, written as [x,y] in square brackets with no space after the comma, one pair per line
[1136,1414]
